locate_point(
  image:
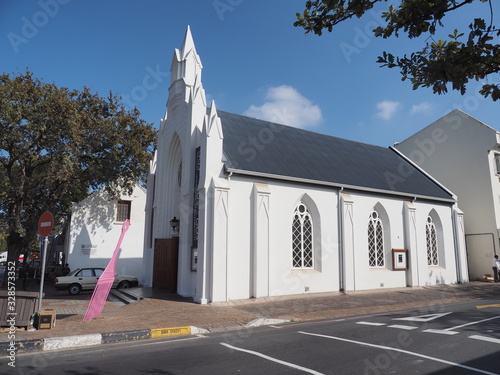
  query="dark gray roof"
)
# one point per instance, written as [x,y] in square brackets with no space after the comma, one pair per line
[263,148]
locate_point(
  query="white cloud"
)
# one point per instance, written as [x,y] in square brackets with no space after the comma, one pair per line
[285,105]
[423,107]
[387,109]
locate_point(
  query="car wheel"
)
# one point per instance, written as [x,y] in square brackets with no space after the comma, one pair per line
[74,289]
[124,285]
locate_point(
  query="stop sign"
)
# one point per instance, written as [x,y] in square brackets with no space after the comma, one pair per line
[45,224]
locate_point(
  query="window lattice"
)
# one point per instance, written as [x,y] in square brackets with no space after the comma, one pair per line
[302,238]
[376,256]
[123,210]
[432,250]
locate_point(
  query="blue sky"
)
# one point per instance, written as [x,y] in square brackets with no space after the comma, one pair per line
[255,62]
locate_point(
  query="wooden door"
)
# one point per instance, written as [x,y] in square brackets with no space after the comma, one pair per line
[166,263]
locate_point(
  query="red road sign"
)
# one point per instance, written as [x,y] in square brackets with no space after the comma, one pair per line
[45,224]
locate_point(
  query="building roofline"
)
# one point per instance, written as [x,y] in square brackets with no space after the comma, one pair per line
[340,186]
[416,166]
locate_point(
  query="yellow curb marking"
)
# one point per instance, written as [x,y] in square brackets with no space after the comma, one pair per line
[484,306]
[173,331]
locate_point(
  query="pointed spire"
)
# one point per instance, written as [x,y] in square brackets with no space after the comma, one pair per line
[186,62]
[188,44]
[213,121]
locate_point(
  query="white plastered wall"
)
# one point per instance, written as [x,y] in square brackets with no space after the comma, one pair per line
[400,233]
[94,233]
[259,242]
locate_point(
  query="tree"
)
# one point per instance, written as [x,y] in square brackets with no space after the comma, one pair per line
[57,146]
[464,56]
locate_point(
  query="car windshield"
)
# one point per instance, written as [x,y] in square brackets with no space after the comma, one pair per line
[73,272]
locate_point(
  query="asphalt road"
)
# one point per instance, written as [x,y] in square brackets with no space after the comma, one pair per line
[453,339]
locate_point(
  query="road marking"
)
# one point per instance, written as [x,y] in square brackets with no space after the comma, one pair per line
[400,326]
[401,351]
[485,338]
[449,331]
[371,324]
[272,359]
[440,331]
[423,318]
[471,323]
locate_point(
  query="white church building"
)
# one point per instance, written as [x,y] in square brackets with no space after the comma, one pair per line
[265,209]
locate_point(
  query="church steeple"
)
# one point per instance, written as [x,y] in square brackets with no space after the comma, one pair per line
[186,63]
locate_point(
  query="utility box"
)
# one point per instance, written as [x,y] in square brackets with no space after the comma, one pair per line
[45,319]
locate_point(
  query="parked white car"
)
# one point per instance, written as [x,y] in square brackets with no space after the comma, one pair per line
[3,258]
[86,279]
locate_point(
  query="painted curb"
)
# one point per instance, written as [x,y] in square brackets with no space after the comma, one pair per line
[112,337]
[53,343]
[8,349]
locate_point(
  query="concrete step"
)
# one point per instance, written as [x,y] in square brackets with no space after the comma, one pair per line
[126,296]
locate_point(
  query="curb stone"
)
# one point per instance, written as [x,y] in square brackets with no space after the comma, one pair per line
[67,342]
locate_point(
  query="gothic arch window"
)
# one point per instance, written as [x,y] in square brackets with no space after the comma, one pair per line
[376,255]
[431,240]
[179,175]
[302,237]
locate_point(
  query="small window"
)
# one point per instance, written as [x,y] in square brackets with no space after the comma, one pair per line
[98,272]
[497,163]
[123,210]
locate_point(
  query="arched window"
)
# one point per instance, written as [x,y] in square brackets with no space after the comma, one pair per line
[302,238]
[432,248]
[179,175]
[376,254]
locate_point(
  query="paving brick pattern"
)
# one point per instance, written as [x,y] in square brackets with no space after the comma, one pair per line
[162,310]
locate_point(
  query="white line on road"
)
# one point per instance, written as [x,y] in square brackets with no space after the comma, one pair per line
[471,323]
[401,326]
[371,324]
[401,351]
[485,338]
[440,331]
[273,359]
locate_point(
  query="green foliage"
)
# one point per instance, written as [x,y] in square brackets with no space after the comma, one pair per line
[474,55]
[58,145]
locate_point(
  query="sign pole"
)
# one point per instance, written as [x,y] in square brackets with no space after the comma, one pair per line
[45,225]
[42,271]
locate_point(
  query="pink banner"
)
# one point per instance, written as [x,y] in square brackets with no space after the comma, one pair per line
[105,282]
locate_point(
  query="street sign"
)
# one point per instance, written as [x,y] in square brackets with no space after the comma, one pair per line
[45,224]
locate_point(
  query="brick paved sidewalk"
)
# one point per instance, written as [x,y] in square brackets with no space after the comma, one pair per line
[161,310]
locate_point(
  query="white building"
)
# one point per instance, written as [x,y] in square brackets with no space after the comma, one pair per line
[96,226]
[267,210]
[464,154]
